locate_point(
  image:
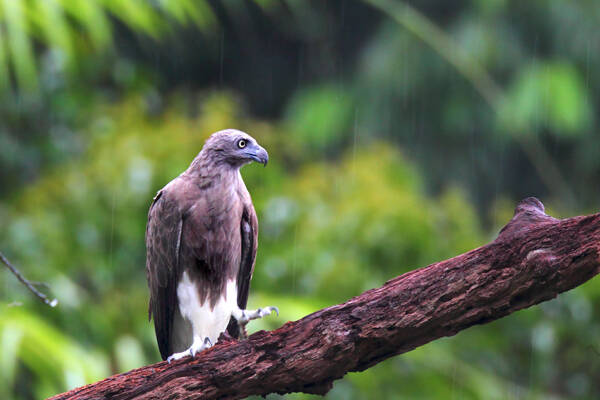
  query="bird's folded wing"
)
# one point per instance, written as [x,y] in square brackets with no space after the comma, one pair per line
[249,232]
[163,239]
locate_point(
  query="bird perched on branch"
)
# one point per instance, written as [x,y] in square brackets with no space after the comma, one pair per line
[201,242]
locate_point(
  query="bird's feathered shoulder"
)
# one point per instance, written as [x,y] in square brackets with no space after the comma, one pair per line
[164,223]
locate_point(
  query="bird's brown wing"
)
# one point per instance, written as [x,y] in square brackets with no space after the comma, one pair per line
[163,240]
[249,233]
[249,229]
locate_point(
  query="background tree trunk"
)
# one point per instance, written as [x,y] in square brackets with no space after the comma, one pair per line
[534,258]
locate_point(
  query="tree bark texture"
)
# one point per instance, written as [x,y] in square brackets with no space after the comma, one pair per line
[534,258]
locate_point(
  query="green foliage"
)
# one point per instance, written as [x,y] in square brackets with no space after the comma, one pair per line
[72,29]
[51,359]
[319,117]
[547,95]
[344,219]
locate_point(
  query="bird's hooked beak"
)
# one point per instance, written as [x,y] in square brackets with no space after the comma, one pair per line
[258,154]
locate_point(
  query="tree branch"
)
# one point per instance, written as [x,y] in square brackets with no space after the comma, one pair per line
[534,258]
[28,284]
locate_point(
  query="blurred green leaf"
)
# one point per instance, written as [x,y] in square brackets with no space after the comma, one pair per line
[57,362]
[49,17]
[4,68]
[9,345]
[550,95]
[319,116]
[129,353]
[67,25]
[19,43]
[91,16]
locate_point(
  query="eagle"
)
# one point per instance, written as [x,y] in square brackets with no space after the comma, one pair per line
[201,242]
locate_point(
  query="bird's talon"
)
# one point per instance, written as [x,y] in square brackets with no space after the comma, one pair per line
[177,356]
[268,310]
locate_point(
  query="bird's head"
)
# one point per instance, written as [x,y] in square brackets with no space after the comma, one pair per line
[235,148]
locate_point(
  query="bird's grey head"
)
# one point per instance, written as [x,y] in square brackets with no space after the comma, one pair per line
[234,148]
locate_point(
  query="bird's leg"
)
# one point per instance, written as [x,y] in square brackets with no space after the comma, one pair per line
[245,316]
[197,346]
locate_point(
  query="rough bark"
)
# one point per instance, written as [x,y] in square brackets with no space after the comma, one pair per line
[534,258]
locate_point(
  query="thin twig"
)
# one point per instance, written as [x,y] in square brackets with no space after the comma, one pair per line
[30,285]
[42,284]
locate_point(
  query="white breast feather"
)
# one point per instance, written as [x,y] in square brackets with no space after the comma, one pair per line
[205,322]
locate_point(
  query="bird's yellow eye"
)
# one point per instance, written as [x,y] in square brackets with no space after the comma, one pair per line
[242,143]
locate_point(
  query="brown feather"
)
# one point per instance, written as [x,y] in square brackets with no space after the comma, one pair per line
[249,234]
[163,232]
